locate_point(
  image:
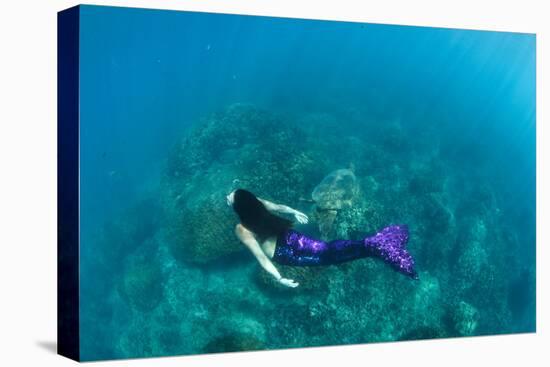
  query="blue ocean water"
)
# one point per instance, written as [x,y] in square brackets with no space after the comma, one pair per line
[438,125]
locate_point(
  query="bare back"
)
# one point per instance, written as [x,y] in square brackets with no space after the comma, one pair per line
[268,246]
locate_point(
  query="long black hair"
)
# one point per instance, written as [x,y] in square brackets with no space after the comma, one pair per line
[255,216]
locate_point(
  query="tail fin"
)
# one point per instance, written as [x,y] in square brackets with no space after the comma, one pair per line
[389,244]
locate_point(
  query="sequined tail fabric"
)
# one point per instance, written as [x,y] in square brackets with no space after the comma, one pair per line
[297,249]
[389,244]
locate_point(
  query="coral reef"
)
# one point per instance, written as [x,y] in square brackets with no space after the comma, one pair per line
[237,333]
[233,343]
[196,238]
[272,168]
[466,319]
[186,284]
[522,300]
[311,279]
[473,257]
[142,283]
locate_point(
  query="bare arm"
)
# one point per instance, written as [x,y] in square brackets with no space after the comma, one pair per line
[248,239]
[279,208]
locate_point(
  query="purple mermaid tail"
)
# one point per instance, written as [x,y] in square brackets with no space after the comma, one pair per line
[297,249]
[389,244]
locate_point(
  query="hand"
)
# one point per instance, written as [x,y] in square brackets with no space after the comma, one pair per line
[300,217]
[288,282]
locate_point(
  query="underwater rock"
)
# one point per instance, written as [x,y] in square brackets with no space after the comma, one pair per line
[391,136]
[424,332]
[478,200]
[241,135]
[373,161]
[470,264]
[170,340]
[227,150]
[212,136]
[135,341]
[466,319]
[126,233]
[141,285]
[311,279]
[237,332]
[367,302]
[233,343]
[205,232]
[420,313]
[333,304]
[436,215]
[426,297]
[490,294]
[433,230]
[522,299]
[473,257]
[424,182]
[364,218]
[143,337]
[483,197]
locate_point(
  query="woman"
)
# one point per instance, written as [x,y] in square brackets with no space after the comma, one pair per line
[272,239]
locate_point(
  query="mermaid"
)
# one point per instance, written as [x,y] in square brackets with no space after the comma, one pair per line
[271,238]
